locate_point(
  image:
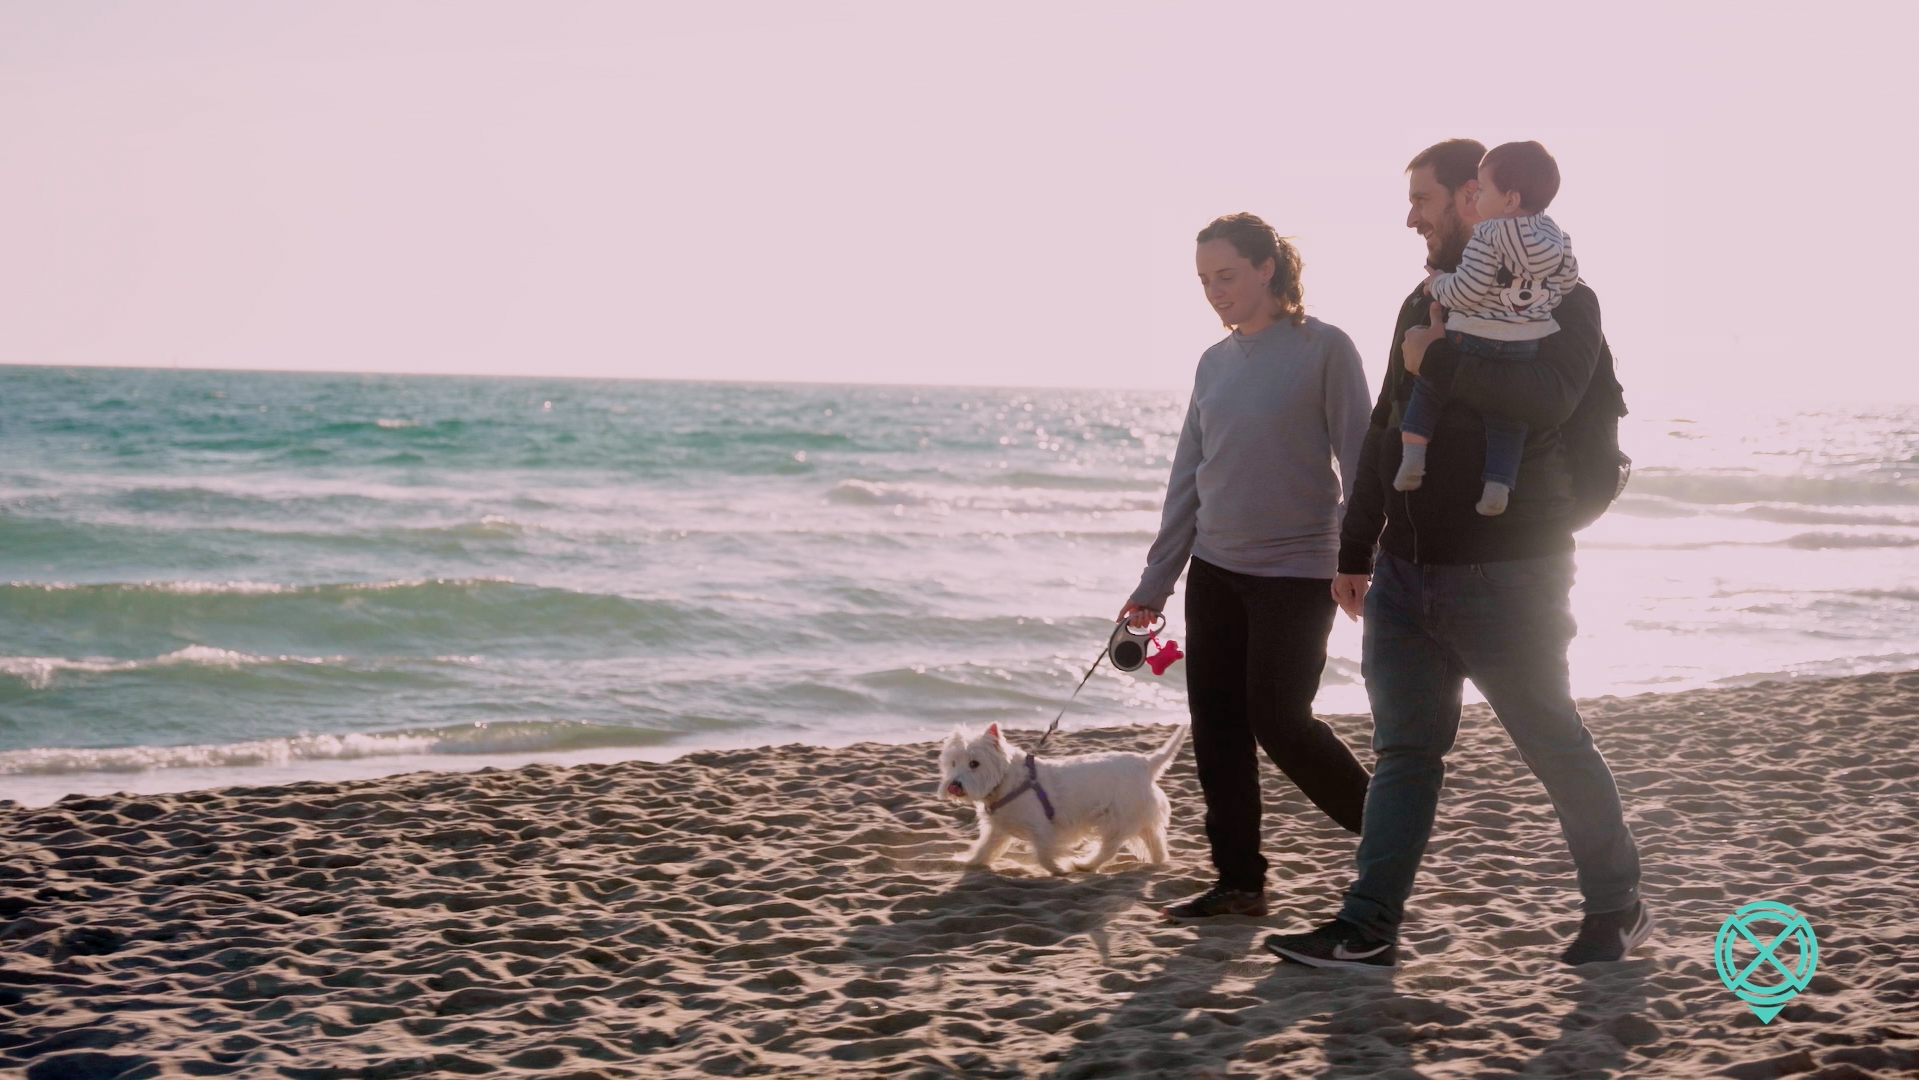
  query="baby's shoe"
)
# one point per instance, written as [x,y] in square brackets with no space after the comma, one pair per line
[1492,502]
[1412,467]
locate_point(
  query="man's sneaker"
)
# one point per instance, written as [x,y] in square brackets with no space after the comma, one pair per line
[1337,944]
[1609,935]
[1219,900]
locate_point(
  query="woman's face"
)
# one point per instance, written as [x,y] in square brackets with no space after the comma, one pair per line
[1234,286]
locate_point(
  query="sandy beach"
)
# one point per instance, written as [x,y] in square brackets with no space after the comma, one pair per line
[795,911]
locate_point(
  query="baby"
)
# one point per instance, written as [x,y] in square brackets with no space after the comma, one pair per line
[1500,303]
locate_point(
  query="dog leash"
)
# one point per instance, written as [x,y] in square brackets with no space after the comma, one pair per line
[1083,679]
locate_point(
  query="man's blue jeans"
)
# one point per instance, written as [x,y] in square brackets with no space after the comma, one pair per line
[1504,625]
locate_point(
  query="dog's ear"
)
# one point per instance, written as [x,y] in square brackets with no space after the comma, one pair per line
[993,733]
[957,738]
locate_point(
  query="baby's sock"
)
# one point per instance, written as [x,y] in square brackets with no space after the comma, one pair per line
[1412,467]
[1492,502]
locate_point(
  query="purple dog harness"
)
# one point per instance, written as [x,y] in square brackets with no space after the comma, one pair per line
[1032,785]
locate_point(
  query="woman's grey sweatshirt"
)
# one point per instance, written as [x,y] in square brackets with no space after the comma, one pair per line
[1252,487]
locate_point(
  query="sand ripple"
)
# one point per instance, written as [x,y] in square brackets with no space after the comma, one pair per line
[795,911]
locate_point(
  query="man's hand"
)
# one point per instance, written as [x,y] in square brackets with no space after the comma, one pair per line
[1418,337]
[1349,592]
[1138,615]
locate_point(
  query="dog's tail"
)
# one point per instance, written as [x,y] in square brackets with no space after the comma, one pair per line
[1164,757]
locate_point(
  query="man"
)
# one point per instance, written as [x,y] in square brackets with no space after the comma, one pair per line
[1457,595]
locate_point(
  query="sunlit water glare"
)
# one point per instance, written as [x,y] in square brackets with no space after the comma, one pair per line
[247,577]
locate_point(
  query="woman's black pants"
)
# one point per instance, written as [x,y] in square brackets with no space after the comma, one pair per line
[1255,647]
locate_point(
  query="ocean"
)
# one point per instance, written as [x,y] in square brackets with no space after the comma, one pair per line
[220,578]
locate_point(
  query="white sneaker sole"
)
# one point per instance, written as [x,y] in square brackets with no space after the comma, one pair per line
[1328,962]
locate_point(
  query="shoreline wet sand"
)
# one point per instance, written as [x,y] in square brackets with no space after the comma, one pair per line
[795,911]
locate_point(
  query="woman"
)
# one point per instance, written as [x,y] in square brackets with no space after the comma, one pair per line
[1254,500]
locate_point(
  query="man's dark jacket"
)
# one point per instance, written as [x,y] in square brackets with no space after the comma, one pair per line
[1437,524]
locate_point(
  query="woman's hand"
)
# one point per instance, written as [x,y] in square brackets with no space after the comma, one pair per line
[1138,615]
[1419,337]
[1349,592]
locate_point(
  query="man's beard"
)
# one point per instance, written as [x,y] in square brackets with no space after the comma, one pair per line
[1450,236]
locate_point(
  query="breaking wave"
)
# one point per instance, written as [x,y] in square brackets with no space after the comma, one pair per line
[524,736]
[38,671]
[1018,500]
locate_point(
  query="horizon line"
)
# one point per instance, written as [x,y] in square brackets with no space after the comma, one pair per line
[1663,400]
[606,378]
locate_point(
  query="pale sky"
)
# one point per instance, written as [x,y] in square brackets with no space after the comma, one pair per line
[925,193]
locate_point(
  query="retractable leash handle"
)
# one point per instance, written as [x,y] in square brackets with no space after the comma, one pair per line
[1127,649]
[1127,646]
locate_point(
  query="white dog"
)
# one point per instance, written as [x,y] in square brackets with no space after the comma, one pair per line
[1055,803]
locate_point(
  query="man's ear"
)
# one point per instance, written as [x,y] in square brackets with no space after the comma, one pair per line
[1468,191]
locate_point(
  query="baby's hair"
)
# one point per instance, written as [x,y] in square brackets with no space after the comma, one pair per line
[1527,168]
[1256,242]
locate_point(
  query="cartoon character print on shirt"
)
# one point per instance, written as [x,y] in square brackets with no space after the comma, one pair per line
[1518,293]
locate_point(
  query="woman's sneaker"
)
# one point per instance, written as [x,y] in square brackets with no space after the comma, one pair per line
[1219,900]
[1609,935]
[1337,944]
